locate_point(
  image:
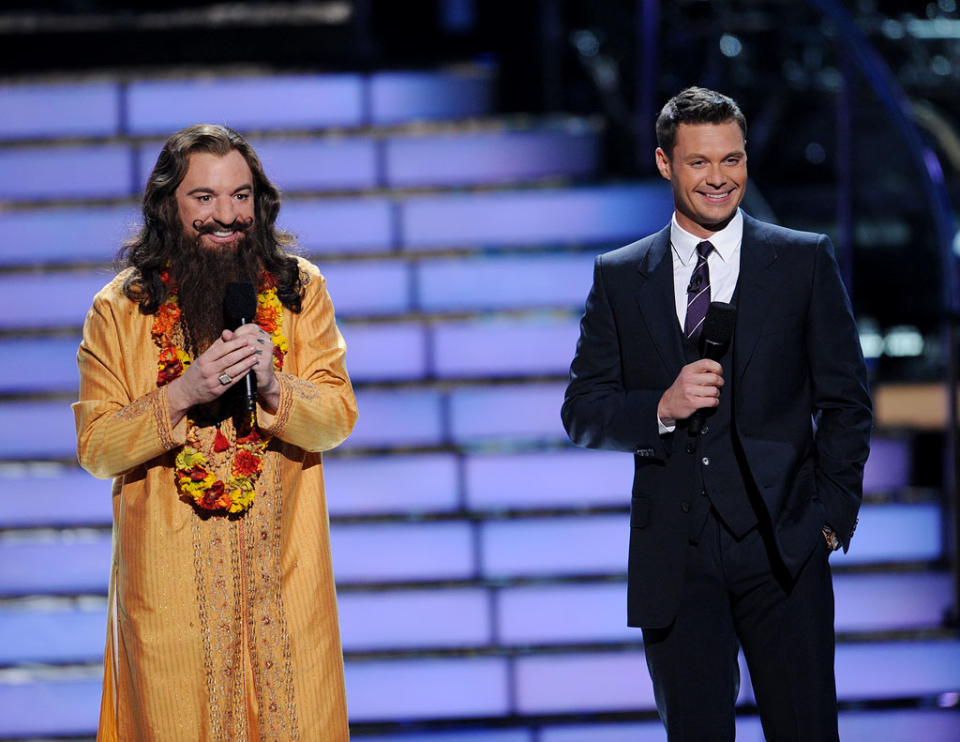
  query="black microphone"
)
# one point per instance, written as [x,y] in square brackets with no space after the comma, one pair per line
[239,308]
[717,332]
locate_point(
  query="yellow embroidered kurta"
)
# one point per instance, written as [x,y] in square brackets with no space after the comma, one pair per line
[219,628]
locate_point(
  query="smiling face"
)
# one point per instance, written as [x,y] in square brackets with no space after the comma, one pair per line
[708,173]
[215,199]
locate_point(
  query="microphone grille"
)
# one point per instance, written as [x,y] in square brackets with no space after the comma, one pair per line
[719,322]
[239,302]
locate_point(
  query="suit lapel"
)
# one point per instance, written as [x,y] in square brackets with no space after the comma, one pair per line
[656,301]
[757,289]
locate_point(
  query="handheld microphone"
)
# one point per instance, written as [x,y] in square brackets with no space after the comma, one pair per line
[239,308]
[717,333]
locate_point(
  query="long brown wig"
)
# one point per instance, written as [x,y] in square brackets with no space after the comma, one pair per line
[155,245]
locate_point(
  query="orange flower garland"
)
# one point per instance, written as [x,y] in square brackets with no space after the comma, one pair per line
[193,473]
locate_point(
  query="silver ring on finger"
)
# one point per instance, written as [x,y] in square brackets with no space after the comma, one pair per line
[225,378]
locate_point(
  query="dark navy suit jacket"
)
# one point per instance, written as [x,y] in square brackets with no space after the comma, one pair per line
[801,409]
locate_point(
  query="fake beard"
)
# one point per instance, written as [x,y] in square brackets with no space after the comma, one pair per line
[202,274]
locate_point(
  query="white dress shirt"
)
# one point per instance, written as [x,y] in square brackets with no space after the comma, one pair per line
[723,262]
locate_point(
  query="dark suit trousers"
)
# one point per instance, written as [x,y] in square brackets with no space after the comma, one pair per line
[735,594]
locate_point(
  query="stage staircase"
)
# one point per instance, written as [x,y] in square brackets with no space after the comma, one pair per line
[480,558]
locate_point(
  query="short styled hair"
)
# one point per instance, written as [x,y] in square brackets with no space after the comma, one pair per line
[696,106]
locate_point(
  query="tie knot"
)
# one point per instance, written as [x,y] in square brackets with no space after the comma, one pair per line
[704,249]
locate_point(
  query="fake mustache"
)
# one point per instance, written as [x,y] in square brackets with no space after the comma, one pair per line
[237,225]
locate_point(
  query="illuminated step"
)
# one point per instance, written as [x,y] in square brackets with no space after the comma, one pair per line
[618,681]
[458,688]
[301,164]
[889,465]
[54,495]
[457,617]
[80,563]
[39,495]
[504,282]
[506,347]
[41,364]
[547,479]
[614,214]
[94,234]
[456,158]
[52,634]
[48,707]
[356,288]
[466,159]
[551,684]
[417,551]
[396,418]
[415,619]
[282,101]
[605,215]
[410,689]
[37,110]
[40,430]
[643,731]
[50,495]
[46,173]
[468,734]
[28,298]
[584,613]
[895,670]
[307,101]
[392,484]
[897,725]
[401,96]
[513,412]
[386,351]
[462,549]
[53,236]
[43,430]
[339,225]
[312,101]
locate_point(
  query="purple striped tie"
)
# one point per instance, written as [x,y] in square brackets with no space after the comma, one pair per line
[698,294]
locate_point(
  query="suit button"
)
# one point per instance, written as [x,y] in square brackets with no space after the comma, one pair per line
[691,448]
[705,430]
[685,507]
[705,461]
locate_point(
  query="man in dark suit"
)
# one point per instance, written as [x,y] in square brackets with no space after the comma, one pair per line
[732,525]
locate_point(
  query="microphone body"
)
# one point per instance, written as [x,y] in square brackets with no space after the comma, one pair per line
[240,308]
[717,333]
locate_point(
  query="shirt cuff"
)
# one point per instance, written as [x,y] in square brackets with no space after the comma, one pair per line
[665,429]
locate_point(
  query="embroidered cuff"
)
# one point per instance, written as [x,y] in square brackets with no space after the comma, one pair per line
[273,423]
[170,436]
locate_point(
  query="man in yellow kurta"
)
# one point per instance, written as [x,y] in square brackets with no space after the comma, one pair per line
[222,611]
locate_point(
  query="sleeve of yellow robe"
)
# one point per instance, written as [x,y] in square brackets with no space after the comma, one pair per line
[117,431]
[117,428]
[317,409]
